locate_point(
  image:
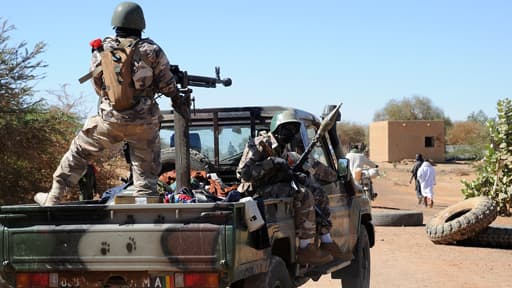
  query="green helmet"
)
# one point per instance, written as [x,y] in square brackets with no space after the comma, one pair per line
[284,126]
[128,15]
[286,116]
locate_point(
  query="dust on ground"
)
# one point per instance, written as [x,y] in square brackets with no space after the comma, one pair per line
[405,257]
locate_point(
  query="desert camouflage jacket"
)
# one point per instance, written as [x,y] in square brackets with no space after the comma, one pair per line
[151,71]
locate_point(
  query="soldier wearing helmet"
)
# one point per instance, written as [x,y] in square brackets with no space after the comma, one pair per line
[264,172]
[136,124]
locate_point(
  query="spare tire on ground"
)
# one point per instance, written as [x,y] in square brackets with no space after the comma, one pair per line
[391,217]
[462,220]
[494,237]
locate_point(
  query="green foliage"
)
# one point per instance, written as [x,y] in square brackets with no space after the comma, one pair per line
[352,133]
[495,172]
[478,117]
[32,136]
[413,108]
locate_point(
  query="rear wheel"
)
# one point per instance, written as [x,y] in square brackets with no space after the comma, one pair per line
[357,275]
[276,277]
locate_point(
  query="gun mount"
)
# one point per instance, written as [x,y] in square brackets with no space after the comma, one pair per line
[182,118]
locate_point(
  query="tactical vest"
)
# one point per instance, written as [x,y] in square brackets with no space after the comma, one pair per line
[116,76]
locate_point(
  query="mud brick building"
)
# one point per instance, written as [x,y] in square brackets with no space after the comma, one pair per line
[392,141]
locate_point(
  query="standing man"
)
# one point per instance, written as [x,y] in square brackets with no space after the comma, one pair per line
[264,172]
[427,178]
[414,175]
[127,72]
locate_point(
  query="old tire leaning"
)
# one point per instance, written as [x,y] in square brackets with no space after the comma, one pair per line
[462,220]
[198,161]
[357,274]
[397,218]
[276,276]
[494,237]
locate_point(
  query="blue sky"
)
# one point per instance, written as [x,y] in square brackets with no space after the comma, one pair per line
[298,53]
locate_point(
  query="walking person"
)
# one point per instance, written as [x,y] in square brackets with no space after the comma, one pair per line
[427,179]
[414,175]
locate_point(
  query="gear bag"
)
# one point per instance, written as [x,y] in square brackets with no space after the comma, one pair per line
[116,74]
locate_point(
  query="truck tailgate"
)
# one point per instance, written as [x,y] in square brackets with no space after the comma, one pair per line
[111,247]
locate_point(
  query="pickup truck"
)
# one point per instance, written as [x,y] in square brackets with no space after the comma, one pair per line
[93,244]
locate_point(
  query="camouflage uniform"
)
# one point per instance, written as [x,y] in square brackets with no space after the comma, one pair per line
[264,172]
[138,126]
[319,174]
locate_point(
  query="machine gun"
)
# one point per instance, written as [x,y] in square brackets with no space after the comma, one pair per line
[185,80]
[182,117]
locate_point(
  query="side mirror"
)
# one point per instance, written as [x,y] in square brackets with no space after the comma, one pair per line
[343,168]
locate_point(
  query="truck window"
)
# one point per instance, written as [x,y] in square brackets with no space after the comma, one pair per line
[200,139]
[318,153]
[232,141]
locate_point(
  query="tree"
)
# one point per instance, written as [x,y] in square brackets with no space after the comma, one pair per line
[478,117]
[465,133]
[469,139]
[413,108]
[352,133]
[495,172]
[32,135]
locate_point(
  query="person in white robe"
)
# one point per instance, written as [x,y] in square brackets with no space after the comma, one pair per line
[427,178]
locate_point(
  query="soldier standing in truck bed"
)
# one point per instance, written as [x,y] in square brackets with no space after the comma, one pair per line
[264,172]
[137,122]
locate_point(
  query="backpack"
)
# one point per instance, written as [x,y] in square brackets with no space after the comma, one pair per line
[117,83]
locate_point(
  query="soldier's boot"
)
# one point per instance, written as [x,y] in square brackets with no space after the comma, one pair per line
[53,197]
[312,255]
[334,250]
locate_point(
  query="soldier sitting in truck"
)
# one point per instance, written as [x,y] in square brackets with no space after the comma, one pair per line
[265,173]
[315,173]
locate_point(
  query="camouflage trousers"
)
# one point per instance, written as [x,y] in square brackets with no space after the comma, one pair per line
[323,221]
[304,204]
[96,136]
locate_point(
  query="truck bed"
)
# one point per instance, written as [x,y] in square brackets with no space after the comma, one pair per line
[137,243]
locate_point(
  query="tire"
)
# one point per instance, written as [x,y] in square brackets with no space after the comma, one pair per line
[357,275]
[462,220]
[277,276]
[494,237]
[198,161]
[397,218]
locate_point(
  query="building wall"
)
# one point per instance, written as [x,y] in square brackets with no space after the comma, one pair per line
[378,146]
[404,139]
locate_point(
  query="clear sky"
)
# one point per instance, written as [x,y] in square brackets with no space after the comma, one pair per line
[298,53]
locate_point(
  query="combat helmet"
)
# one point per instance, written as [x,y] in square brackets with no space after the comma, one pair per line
[284,133]
[128,15]
[286,116]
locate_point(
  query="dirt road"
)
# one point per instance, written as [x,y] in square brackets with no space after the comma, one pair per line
[405,257]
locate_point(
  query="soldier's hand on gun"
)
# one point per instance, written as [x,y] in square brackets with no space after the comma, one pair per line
[300,177]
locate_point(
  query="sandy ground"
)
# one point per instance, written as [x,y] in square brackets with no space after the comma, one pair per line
[405,257]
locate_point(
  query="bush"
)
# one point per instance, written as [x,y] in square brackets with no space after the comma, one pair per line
[495,174]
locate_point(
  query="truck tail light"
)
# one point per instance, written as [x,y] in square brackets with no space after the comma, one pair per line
[189,280]
[32,280]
